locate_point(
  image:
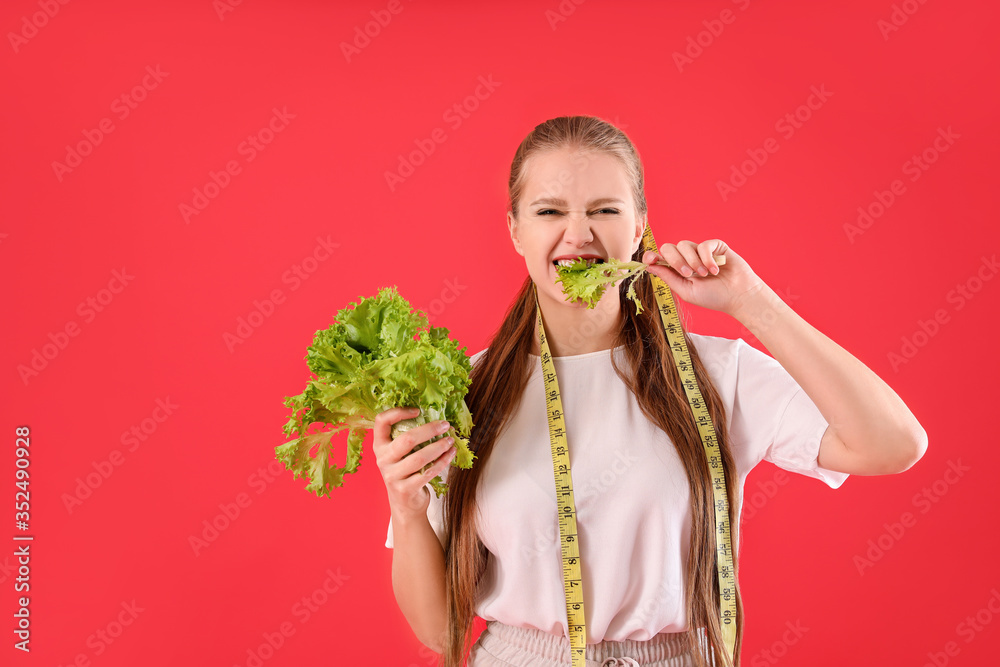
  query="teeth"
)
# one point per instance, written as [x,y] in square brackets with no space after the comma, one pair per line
[570,262]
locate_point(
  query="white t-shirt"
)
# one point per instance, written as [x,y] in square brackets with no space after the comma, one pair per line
[630,488]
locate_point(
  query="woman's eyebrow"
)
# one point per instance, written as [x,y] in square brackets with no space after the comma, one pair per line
[562,202]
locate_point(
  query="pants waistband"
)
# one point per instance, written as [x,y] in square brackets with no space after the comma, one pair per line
[670,649]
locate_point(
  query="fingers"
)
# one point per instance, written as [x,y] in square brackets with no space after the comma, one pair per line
[410,461]
[689,258]
[411,485]
[406,441]
[689,250]
[385,420]
[390,451]
[675,257]
[708,249]
[421,466]
[428,462]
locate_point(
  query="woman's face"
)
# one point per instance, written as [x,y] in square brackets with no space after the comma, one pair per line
[574,204]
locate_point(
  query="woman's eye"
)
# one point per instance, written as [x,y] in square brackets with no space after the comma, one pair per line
[603,210]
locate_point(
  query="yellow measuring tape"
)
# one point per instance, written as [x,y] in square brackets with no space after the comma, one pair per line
[569,539]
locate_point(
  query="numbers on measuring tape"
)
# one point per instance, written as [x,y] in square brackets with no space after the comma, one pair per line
[566,509]
[685,369]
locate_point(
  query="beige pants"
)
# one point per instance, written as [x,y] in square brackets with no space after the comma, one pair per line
[503,645]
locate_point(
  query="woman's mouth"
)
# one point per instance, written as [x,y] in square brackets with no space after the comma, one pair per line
[569,262]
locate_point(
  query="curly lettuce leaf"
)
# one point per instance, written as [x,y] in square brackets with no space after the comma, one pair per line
[588,282]
[296,455]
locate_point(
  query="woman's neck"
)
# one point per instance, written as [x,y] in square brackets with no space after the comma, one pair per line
[571,330]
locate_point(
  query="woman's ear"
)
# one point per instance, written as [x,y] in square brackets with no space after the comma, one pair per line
[512,228]
[640,227]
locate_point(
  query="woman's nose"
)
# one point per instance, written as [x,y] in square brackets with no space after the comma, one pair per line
[578,228]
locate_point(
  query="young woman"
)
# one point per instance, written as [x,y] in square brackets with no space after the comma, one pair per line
[644,506]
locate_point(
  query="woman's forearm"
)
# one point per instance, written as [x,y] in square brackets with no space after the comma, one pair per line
[418,579]
[862,410]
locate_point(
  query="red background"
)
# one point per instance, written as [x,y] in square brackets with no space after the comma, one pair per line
[323,175]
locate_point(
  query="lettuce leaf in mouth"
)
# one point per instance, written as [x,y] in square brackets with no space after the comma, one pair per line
[378,354]
[588,282]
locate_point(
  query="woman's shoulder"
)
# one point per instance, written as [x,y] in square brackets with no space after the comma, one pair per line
[723,357]
[716,344]
[733,357]
[475,357]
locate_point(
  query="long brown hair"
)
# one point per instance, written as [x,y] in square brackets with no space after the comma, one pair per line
[499,378]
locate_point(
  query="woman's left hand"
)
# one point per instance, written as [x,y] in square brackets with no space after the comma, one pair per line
[695,277]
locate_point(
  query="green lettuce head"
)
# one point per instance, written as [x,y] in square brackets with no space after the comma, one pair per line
[378,354]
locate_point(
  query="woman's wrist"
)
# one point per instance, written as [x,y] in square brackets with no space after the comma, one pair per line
[758,307]
[404,516]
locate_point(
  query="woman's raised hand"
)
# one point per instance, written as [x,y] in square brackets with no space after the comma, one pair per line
[401,467]
[697,279]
